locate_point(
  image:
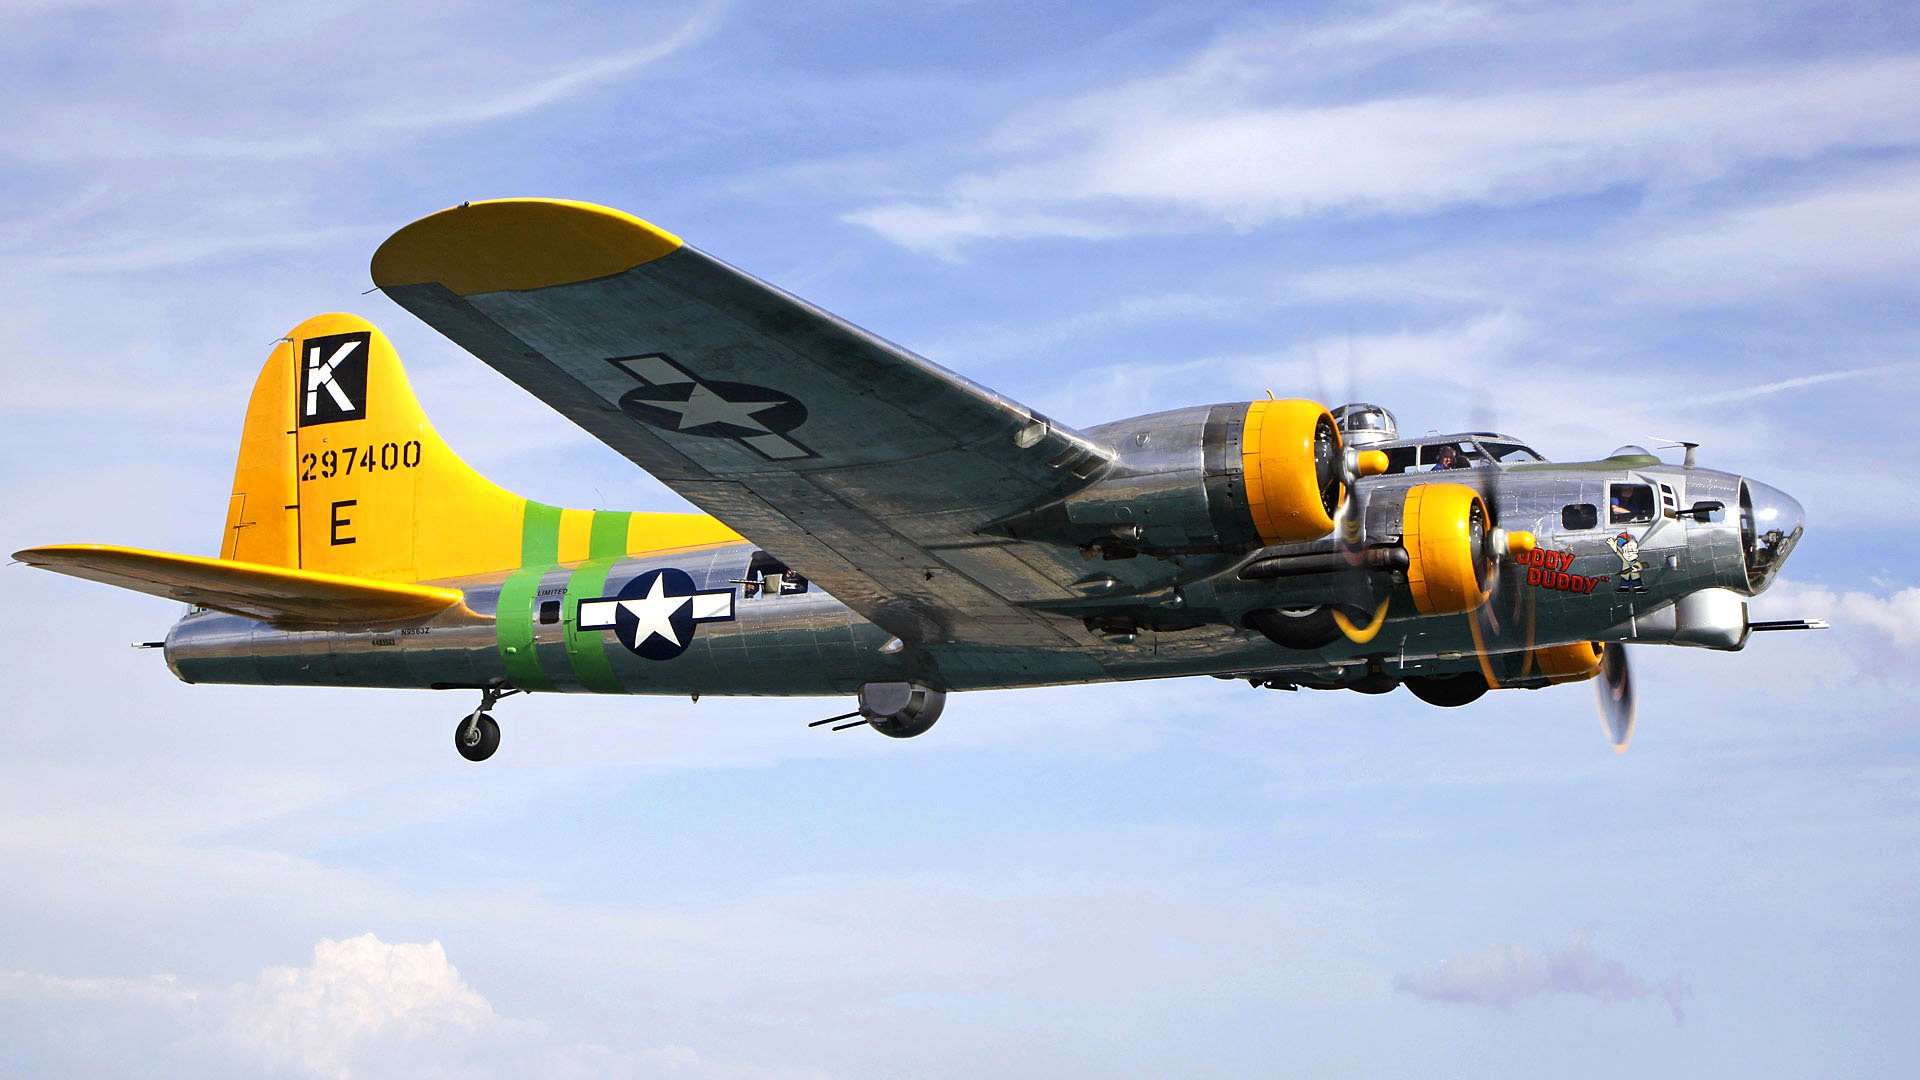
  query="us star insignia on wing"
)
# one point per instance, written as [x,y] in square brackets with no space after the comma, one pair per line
[673,398]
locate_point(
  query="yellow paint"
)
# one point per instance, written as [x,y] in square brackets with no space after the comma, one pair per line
[652,534]
[516,245]
[262,526]
[1276,458]
[1371,462]
[383,497]
[1360,635]
[576,532]
[1441,559]
[297,599]
[1519,542]
[1570,663]
[407,508]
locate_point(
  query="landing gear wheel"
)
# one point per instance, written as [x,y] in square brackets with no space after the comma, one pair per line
[1302,628]
[1448,691]
[477,737]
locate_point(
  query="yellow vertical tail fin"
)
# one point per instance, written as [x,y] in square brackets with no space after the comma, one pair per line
[341,473]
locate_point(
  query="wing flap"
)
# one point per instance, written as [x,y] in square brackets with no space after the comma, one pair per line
[287,598]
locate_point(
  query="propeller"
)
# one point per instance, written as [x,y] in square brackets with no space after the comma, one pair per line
[1508,615]
[1614,686]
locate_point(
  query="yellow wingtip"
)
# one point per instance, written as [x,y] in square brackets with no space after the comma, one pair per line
[513,245]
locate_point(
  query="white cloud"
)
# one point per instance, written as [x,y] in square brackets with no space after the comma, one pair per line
[1894,615]
[1861,228]
[370,75]
[1503,975]
[159,990]
[363,1008]
[356,993]
[1228,141]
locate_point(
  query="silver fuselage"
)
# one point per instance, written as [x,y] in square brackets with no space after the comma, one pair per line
[1188,605]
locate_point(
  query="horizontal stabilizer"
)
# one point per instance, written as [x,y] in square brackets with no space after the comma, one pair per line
[287,598]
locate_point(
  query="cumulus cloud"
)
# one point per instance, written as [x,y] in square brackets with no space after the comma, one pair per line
[1895,615]
[1502,975]
[362,1008]
[356,993]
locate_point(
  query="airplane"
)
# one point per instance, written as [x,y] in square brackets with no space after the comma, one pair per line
[875,525]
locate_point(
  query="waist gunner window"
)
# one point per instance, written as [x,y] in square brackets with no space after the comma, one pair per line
[1629,504]
[768,576]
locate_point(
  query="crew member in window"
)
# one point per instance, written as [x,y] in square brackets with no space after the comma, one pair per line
[1629,503]
[1449,459]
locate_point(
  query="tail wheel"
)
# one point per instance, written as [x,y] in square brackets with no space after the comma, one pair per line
[1569,663]
[1290,455]
[1444,529]
[477,737]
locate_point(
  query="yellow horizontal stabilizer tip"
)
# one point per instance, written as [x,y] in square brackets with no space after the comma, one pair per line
[505,245]
[288,598]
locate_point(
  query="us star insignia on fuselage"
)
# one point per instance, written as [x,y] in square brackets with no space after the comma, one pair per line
[654,616]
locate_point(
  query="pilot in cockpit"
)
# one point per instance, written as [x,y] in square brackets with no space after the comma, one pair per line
[1449,459]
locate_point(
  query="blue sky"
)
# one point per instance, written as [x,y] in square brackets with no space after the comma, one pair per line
[1590,224]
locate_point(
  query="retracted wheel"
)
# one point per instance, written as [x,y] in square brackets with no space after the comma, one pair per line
[477,737]
[1448,691]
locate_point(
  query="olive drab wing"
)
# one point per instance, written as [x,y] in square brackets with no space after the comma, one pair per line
[880,471]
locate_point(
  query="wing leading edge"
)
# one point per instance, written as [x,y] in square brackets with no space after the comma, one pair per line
[842,453]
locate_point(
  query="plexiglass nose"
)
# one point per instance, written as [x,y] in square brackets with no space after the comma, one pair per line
[1771,522]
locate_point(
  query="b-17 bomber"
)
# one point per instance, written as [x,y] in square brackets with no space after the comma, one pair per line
[879,528]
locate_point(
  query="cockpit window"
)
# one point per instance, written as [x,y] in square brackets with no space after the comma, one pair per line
[1579,516]
[1511,453]
[1629,504]
[768,576]
[1440,457]
[1467,453]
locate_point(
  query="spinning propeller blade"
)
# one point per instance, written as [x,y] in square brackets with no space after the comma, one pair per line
[1615,689]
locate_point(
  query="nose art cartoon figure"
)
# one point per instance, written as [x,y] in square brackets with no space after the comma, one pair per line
[1630,565]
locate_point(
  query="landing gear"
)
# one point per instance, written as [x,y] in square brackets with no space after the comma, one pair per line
[1448,691]
[1303,628]
[478,736]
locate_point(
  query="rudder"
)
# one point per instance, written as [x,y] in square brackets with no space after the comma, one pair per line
[340,472]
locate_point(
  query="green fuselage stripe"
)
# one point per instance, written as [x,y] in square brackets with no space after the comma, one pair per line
[587,649]
[540,535]
[609,539]
[513,629]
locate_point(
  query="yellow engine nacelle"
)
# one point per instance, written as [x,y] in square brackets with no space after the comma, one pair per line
[1444,530]
[1290,456]
[1569,663]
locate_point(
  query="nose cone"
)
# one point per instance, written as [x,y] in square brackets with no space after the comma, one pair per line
[1771,522]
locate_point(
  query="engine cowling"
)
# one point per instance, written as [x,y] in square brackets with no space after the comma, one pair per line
[1219,477]
[1569,663]
[1290,461]
[1444,529]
